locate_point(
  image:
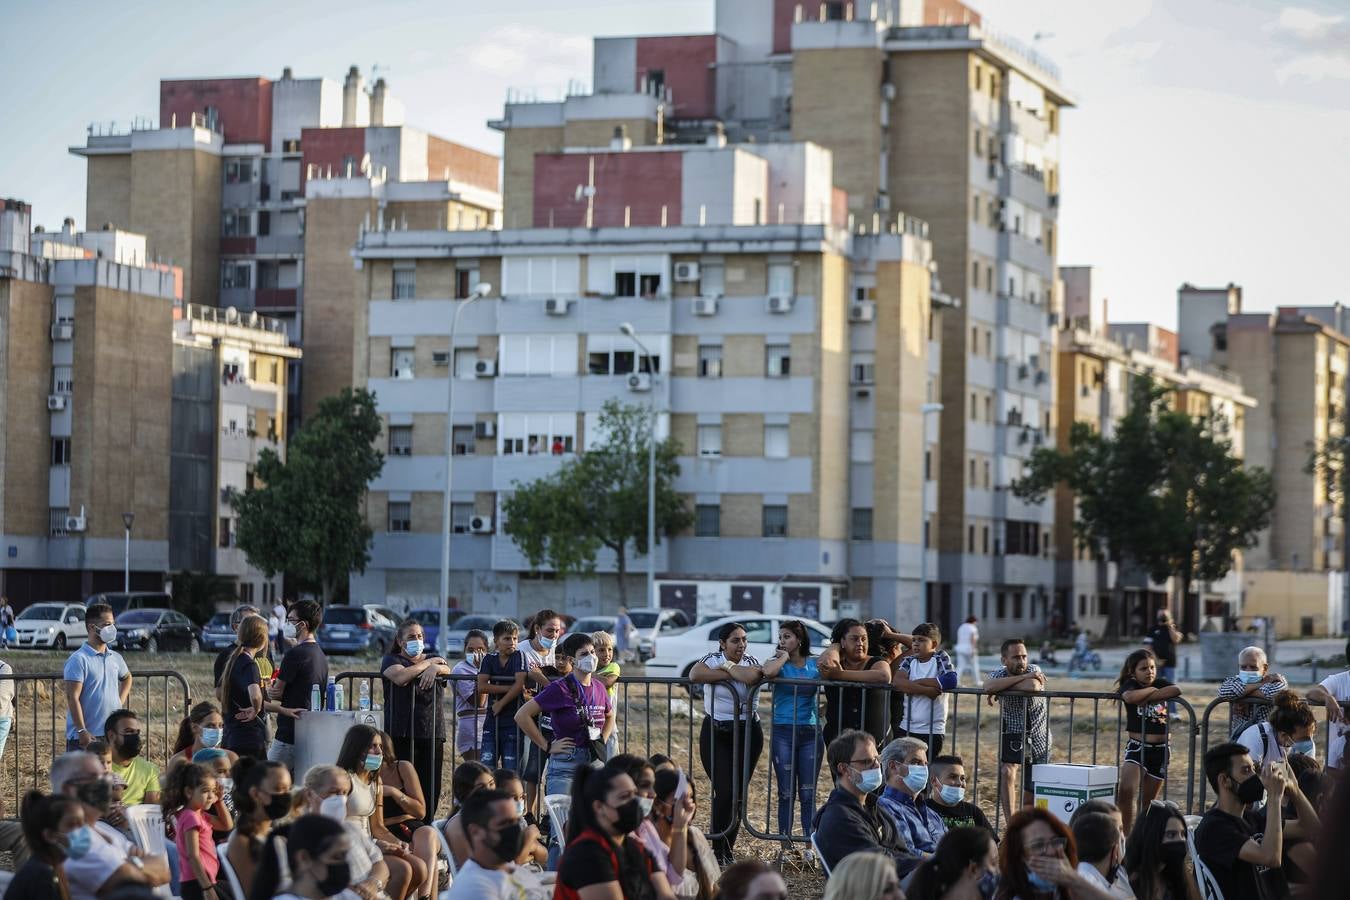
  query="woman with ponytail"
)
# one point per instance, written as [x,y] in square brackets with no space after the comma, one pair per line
[203,728]
[1290,727]
[601,851]
[308,862]
[262,797]
[240,692]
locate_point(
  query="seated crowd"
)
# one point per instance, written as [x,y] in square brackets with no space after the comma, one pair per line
[542,805]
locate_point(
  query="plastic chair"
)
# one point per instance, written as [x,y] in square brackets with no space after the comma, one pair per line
[559,807]
[230,875]
[146,821]
[439,827]
[820,857]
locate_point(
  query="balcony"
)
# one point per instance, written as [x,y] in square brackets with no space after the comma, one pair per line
[1025,184]
[238,246]
[275,298]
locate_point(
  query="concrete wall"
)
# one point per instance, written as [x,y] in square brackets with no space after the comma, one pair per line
[834,105]
[335,307]
[26,374]
[300,103]
[244,106]
[175,203]
[686,62]
[1290,597]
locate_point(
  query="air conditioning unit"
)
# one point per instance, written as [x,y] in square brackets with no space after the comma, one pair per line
[480,525]
[640,382]
[866,311]
[485,429]
[557,306]
[686,271]
[440,357]
[485,368]
[63,331]
[779,304]
[705,306]
[76,524]
[56,402]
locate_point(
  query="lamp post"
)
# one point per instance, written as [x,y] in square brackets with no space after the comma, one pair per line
[127,519]
[928,409]
[627,328]
[480,290]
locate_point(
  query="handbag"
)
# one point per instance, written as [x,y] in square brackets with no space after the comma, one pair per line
[11,634]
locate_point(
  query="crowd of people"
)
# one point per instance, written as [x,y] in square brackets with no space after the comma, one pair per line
[542,804]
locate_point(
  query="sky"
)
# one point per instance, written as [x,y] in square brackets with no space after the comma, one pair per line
[1211,142]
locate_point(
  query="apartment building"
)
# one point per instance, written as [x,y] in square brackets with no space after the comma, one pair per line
[84,409]
[219,185]
[229,404]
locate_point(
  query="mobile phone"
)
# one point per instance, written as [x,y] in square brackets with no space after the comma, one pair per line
[681,786]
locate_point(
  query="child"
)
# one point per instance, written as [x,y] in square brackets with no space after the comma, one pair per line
[192,799]
[470,705]
[1144,695]
[532,849]
[607,670]
[922,678]
[502,677]
[103,752]
[947,796]
[217,761]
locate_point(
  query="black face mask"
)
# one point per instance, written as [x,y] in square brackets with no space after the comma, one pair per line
[630,816]
[130,745]
[1173,855]
[510,841]
[97,794]
[277,807]
[1251,790]
[336,880]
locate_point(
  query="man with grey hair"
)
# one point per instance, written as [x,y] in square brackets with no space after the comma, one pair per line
[1253,682]
[240,614]
[904,768]
[111,861]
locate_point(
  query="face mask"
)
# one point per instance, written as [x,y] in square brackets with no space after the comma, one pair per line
[413,648]
[130,745]
[520,809]
[645,805]
[988,885]
[1040,883]
[373,761]
[951,794]
[337,879]
[510,841]
[630,816]
[334,807]
[277,807]
[917,779]
[869,780]
[1249,677]
[79,841]
[288,631]
[546,642]
[1251,790]
[476,658]
[211,737]
[97,794]
[586,664]
[107,634]
[1173,853]
[1305,746]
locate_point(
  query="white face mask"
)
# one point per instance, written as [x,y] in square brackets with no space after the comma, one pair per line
[645,804]
[334,807]
[288,631]
[107,634]
[587,664]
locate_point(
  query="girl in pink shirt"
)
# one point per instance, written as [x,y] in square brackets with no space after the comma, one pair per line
[195,803]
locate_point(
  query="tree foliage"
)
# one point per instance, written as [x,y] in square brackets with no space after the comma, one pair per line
[306,518]
[598,500]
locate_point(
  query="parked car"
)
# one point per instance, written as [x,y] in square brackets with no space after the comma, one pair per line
[55,625]
[356,629]
[430,620]
[217,634]
[677,653]
[652,622]
[121,601]
[156,630]
[592,624]
[454,637]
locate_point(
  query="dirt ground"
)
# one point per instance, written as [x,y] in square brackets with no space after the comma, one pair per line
[652,718]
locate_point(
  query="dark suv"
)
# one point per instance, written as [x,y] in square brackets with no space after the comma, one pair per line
[356,629]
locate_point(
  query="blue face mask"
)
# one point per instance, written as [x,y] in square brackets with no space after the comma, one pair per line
[917,779]
[373,761]
[1305,746]
[547,642]
[412,648]
[1040,883]
[951,794]
[79,841]
[211,737]
[1249,677]
[869,780]
[988,885]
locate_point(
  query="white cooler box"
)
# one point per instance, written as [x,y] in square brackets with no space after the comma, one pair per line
[319,735]
[1061,789]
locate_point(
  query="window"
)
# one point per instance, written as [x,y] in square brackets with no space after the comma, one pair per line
[625,284]
[61,451]
[236,275]
[539,354]
[989,409]
[400,440]
[861,447]
[710,440]
[781,280]
[236,223]
[466,362]
[974,406]
[862,524]
[984,540]
[776,441]
[986,474]
[775,521]
[712,279]
[462,440]
[928,465]
[63,380]
[226,538]
[1082,604]
[1017,605]
[400,518]
[1001,604]
[465,281]
[971,479]
[405,283]
[970,538]
[649,285]
[56,522]
[537,434]
[707,520]
[401,364]
[864,368]
[460,516]
[777,360]
[710,361]
[238,171]
[608,354]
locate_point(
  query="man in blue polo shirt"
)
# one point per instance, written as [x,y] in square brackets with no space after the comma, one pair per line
[904,765]
[97,679]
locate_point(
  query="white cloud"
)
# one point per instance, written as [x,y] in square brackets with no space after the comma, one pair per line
[543,57]
[1313,68]
[1307,24]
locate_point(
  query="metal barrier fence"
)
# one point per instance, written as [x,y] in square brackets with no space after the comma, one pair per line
[38,733]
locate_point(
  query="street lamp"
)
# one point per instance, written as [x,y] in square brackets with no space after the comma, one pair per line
[480,290]
[627,328]
[127,519]
[928,409]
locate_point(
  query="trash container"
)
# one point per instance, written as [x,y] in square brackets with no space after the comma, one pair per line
[319,736]
[1061,789]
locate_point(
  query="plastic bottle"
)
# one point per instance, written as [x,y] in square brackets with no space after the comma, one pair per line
[363,701]
[330,700]
[339,698]
[314,703]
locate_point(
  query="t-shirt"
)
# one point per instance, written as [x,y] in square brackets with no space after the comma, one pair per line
[502,673]
[410,710]
[303,666]
[795,704]
[1163,646]
[727,701]
[140,775]
[1260,742]
[243,675]
[851,705]
[34,881]
[1118,887]
[512,882]
[1219,839]
[966,636]
[101,675]
[107,852]
[963,815]
[535,657]
[588,862]
[660,853]
[1146,718]
[924,715]
[184,823]
[1338,686]
[559,702]
[464,678]
[608,670]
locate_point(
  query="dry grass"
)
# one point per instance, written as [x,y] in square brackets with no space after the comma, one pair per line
[651,720]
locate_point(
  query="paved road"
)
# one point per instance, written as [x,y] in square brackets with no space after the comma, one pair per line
[1287,653]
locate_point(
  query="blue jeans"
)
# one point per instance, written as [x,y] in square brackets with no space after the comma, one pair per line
[561,768]
[1170,673]
[501,746]
[796,752]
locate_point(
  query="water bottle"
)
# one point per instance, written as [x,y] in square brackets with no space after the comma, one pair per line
[363,701]
[331,698]
[314,704]
[339,698]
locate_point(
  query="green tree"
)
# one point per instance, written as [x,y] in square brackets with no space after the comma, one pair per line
[306,518]
[195,594]
[599,500]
